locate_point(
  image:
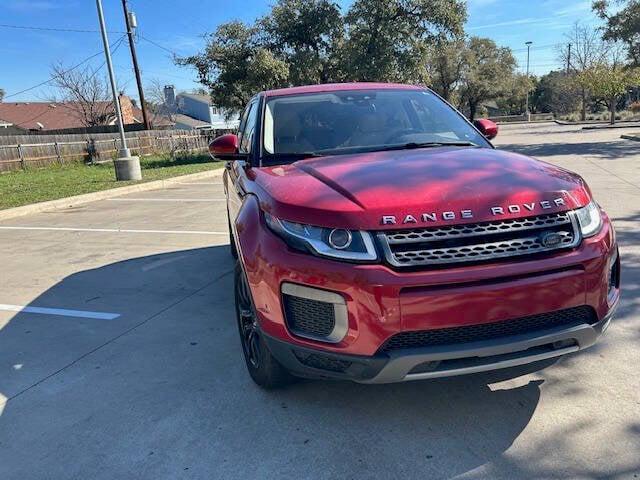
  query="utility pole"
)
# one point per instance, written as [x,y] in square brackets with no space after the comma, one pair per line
[569,59]
[127,167]
[129,18]
[528,44]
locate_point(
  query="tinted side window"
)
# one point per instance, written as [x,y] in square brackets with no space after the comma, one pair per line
[243,120]
[246,138]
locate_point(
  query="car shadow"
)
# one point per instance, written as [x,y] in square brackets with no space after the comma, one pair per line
[163,389]
[617,150]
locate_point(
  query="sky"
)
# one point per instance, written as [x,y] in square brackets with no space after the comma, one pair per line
[178,26]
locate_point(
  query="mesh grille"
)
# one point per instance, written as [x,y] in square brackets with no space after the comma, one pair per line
[487,331]
[322,362]
[310,317]
[475,229]
[479,241]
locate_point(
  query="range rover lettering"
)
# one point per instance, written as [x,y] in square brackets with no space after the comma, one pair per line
[380,237]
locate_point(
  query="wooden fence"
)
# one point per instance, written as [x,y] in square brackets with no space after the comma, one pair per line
[23,151]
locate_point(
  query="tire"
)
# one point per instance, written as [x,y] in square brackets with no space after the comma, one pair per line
[262,365]
[232,242]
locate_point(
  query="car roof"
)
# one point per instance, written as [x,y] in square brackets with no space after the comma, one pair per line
[333,87]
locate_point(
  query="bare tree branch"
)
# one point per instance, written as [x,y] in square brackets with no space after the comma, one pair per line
[85,93]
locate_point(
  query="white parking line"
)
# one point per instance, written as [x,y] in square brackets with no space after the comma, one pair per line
[59,311]
[113,230]
[166,199]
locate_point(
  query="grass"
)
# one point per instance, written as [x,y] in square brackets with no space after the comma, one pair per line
[58,181]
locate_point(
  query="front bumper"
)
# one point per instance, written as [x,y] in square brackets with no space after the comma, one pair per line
[440,361]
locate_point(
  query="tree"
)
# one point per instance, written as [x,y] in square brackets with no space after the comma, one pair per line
[513,97]
[621,24]
[387,40]
[446,66]
[235,65]
[557,92]
[609,80]
[84,93]
[305,33]
[309,41]
[1,94]
[587,50]
[489,71]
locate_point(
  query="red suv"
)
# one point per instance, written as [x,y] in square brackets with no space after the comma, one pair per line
[380,238]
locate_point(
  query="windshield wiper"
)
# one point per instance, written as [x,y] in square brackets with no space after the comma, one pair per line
[413,145]
[380,148]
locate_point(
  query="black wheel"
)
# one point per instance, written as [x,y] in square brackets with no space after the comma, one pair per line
[232,241]
[263,367]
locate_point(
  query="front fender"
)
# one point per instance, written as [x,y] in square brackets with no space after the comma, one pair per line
[247,226]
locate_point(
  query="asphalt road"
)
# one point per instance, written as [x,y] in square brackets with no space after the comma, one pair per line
[135,370]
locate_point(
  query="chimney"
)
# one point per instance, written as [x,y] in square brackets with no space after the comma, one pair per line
[127,110]
[169,95]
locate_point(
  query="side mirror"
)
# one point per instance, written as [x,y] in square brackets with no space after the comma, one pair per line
[487,128]
[224,147]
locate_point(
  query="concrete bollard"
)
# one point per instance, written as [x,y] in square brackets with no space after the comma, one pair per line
[128,168]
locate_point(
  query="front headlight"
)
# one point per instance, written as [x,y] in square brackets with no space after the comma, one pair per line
[589,219]
[337,243]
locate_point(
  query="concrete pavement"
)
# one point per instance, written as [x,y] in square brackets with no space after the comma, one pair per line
[160,391]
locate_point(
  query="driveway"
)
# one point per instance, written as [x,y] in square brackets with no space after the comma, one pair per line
[126,363]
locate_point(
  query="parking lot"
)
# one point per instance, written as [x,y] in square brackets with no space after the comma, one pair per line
[126,362]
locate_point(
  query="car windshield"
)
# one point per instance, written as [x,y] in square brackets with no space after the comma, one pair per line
[351,121]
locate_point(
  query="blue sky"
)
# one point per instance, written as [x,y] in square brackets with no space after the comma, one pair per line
[26,55]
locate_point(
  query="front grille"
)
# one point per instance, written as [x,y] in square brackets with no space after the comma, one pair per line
[478,241]
[322,362]
[309,317]
[488,331]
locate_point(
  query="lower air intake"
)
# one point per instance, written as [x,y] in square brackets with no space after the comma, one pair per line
[310,317]
[314,313]
[322,362]
[488,331]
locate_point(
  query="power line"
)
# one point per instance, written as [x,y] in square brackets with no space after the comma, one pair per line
[66,71]
[79,30]
[156,44]
[51,29]
[116,45]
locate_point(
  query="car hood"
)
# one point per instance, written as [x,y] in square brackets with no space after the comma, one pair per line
[391,189]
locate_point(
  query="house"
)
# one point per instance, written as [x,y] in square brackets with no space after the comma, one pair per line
[192,110]
[65,117]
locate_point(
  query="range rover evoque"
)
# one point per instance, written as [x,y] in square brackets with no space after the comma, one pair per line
[380,237]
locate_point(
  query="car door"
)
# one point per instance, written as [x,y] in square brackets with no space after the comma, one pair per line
[236,169]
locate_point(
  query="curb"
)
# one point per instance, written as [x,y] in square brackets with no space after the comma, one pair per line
[112,192]
[614,126]
[524,122]
[593,124]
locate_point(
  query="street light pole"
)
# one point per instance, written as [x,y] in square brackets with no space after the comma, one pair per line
[127,167]
[528,44]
